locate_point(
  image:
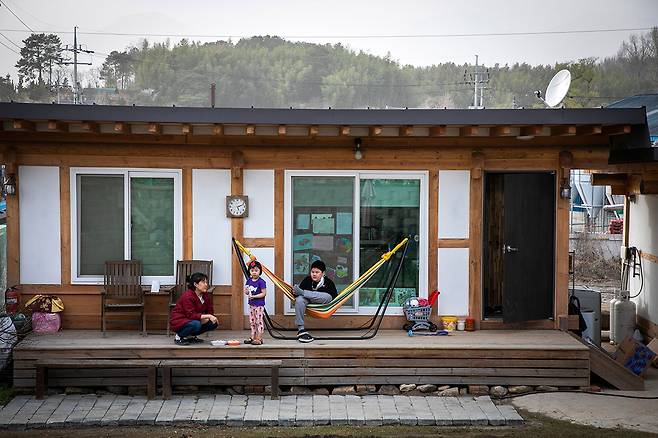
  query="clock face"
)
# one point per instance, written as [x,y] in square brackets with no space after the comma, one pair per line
[237,206]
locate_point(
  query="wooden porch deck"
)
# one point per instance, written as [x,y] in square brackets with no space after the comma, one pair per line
[489,357]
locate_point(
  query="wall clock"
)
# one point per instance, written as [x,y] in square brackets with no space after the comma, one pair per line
[237,206]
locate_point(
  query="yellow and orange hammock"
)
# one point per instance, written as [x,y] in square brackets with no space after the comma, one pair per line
[328,309]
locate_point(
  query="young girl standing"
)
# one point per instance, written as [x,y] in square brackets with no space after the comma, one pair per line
[255,289]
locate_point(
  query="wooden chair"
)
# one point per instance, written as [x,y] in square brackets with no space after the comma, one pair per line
[122,290]
[184,268]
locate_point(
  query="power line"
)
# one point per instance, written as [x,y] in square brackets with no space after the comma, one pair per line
[10,48]
[451,35]
[8,39]
[17,17]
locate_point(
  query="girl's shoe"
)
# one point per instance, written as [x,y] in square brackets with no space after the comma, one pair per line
[256,342]
[249,341]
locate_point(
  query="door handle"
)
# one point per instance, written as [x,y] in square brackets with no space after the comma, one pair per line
[509,249]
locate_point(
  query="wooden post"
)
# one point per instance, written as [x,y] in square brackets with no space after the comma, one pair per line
[433,223]
[188,252]
[561,293]
[65,222]
[475,238]
[151,384]
[275,382]
[237,230]
[13,235]
[166,382]
[278,236]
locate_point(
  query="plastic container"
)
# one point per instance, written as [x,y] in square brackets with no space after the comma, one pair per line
[470,324]
[461,325]
[449,323]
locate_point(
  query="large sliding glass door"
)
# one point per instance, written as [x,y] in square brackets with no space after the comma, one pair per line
[349,219]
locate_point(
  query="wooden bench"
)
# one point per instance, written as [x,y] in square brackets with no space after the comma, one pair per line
[167,364]
[43,365]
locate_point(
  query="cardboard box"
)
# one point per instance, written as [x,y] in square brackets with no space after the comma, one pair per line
[653,346]
[634,356]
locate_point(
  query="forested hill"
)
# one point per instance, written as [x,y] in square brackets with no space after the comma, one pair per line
[272,72]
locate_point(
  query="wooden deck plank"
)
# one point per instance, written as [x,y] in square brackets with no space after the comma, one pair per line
[512,357]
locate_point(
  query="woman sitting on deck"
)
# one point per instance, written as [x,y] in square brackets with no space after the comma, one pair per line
[192,314]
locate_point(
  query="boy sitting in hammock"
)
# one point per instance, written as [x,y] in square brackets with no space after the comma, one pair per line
[316,288]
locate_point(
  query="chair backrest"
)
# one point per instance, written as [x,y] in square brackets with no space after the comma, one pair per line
[123,279]
[184,268]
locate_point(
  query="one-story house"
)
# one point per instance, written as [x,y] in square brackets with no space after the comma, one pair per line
[482,193]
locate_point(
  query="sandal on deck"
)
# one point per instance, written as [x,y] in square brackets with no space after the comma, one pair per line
[249,341]
[256,342]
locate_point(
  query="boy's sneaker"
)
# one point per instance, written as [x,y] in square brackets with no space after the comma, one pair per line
[304,337]
[194,340]
[297,291]
[181,341]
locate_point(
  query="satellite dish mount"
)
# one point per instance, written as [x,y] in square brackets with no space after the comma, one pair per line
[557,89]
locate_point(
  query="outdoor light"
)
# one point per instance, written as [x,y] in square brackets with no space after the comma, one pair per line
[357,149]
[9,184]
[565,189]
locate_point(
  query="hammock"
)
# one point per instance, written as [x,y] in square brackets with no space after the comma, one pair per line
[323,310]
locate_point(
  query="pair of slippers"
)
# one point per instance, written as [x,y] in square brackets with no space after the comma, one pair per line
[253,342]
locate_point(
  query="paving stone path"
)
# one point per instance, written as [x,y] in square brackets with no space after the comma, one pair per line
[254,410]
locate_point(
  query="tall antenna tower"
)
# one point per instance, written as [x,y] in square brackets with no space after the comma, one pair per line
[479,79]
[77,95]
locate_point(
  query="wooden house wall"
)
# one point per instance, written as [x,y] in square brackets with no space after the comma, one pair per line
[275,156]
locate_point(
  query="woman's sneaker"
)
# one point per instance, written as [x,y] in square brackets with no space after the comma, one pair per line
[304,337]
[181,341]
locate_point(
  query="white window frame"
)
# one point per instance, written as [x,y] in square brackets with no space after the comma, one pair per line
[128,173]
[358,175]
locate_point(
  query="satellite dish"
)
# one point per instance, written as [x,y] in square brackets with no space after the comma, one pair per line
[557,89]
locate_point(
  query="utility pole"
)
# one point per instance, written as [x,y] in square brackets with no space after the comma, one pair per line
[475,84]
[478,79]
[76,49]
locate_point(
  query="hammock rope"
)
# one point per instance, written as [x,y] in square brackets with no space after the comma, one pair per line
[328,309]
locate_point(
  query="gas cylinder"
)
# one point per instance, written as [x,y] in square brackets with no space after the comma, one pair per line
[624,318]
[613,303]
[12,300]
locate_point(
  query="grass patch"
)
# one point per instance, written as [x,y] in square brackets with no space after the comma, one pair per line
[6,394]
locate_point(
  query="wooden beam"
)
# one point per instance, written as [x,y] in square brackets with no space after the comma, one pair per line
[609,179]
[282,130]
[477,164]
[589,130]
[616,129]
[437,131]
[649,187]
[528,131]
[376,131]
[218,129]
[344,130]
[154,128]
[24,125]
[313,130]
[91,127]
[500,131]
[55,126]
[121,128]
[633,185]
[250,130]
[563,130]
[405,131]
[565,159]
[186,128]
[237,164]
[469,131]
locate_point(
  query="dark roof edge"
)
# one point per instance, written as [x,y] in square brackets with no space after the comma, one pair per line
[277,116]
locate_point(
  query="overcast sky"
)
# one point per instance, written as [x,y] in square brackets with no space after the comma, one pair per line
[394,26]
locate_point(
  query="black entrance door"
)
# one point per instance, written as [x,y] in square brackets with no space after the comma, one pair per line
[528,246]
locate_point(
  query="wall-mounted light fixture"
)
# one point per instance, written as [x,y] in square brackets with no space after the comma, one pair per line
[9,184]
[357,149]
[565,188]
